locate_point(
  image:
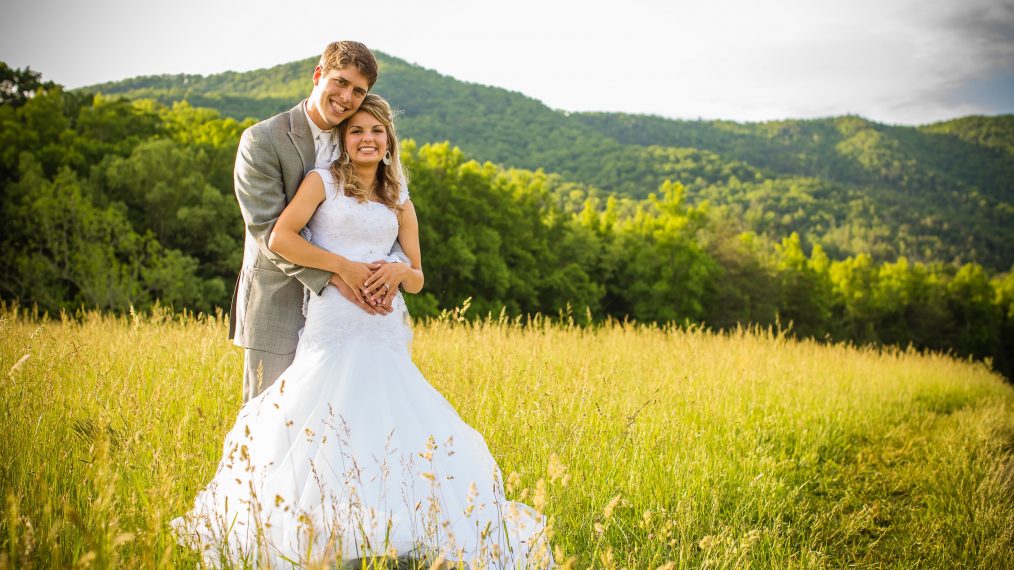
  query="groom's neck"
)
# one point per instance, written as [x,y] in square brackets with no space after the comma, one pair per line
[314,113]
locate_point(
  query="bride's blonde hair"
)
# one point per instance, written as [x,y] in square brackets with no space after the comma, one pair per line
[390,178]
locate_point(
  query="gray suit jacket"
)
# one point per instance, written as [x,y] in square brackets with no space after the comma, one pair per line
[274,155]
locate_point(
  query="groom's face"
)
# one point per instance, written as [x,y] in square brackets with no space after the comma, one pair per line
[336,95]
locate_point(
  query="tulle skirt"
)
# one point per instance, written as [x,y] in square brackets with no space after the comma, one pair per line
[352,454]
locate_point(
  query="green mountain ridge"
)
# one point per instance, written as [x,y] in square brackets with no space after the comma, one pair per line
[939,192]
[115,203]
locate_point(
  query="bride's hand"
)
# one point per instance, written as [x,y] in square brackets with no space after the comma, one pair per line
[350,294]
[382,286]
[355,274]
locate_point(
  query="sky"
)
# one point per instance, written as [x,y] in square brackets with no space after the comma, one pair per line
[892,61]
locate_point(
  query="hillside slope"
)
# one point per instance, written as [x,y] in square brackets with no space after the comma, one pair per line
[938,192]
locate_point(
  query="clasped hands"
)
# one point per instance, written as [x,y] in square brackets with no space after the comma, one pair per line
[371,286]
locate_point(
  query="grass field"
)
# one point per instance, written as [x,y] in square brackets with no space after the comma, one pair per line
[648,446]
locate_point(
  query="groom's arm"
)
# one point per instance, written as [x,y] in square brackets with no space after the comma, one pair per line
[261,195]
[396,249]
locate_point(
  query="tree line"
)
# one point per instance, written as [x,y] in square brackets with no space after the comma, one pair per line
[940,192]
[112,203]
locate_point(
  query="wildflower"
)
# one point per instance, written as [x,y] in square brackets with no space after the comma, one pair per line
[646,519]
[513,480]
[557,470]
[539,499]
[607,558]
[123,538]
[473,492]
[608,512]
[750,539]
[431,445]
[17,365]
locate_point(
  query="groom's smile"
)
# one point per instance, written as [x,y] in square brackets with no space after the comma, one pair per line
[336,95]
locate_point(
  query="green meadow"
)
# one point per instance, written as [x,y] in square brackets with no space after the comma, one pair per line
[646,446]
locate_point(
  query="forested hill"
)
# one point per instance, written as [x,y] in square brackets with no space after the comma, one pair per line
[114,204]
[940,192]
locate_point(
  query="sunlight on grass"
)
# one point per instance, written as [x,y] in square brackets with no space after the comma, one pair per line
[646,445]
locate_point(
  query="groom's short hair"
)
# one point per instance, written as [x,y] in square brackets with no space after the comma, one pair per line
[340,55]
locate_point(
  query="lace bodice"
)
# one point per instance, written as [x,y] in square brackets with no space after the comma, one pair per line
[360,231]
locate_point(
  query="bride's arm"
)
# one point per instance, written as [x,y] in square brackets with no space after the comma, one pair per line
[286,241]
[410,277]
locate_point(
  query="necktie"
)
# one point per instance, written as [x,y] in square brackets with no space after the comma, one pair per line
[325,149]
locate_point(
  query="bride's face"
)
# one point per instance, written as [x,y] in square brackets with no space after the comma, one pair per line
[365,139]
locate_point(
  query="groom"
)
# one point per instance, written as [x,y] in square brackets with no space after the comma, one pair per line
[274,155]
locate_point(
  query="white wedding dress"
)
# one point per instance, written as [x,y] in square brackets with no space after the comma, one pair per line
[351,453]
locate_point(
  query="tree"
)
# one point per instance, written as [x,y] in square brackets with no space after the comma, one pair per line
[804,287]
[17,86]
[67,252]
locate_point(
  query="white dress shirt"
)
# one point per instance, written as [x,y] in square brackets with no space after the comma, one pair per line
[325,144]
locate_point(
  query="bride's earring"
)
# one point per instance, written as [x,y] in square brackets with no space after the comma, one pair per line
[387,158]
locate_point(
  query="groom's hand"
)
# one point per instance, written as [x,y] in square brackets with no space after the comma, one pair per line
[349,294]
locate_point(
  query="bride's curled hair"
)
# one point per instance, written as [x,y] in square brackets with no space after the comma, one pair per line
[390,177]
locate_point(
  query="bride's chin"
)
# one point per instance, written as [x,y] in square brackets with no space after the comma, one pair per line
[370,162]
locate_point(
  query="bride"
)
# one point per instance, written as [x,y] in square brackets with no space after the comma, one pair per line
[351,454]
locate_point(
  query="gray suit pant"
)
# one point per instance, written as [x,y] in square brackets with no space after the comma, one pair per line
[261,369]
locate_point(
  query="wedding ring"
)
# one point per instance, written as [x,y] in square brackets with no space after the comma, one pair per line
[386,286]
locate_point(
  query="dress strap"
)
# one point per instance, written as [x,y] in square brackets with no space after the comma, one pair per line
[403,193]
[330,187]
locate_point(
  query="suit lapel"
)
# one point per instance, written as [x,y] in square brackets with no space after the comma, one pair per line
[302,139]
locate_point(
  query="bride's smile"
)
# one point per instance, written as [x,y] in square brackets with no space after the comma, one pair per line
[365,139]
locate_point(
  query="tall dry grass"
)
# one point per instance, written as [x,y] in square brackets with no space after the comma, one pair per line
[647,446]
